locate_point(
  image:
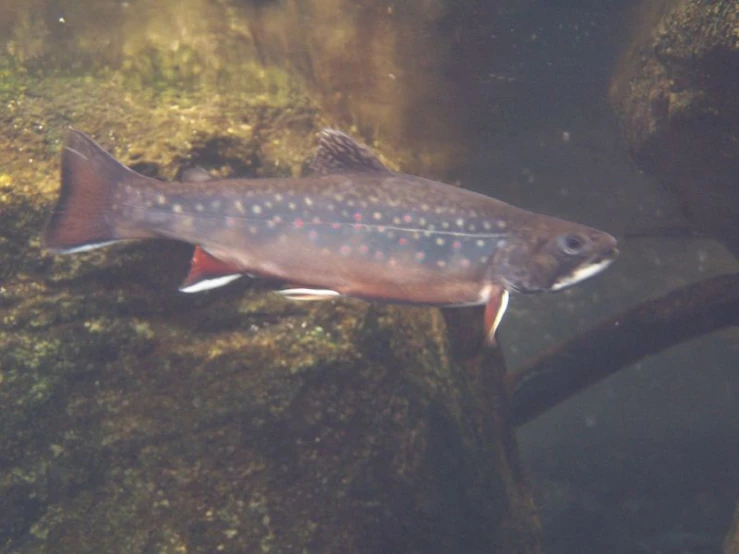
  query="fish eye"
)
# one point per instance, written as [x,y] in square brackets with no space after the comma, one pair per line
[572,244]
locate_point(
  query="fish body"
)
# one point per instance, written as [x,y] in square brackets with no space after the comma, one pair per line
[351,228]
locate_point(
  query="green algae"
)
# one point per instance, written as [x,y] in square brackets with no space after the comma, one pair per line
[136,419]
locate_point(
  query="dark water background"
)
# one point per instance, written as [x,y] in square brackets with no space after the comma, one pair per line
[646,460]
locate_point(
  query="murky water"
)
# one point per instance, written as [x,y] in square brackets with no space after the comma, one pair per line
[127,404]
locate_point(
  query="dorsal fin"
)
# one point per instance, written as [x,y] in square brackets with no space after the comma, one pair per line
[339,153]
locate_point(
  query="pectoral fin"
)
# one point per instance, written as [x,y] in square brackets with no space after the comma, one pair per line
[494,311]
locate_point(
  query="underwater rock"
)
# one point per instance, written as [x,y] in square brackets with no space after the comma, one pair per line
[404,75]
[731,545]
[676,90]
[138,419]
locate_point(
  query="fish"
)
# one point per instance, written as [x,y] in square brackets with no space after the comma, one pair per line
[351,227]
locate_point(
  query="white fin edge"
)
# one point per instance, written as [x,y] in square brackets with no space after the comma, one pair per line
[307,295]
[504,298]
[208,284]
[82,248]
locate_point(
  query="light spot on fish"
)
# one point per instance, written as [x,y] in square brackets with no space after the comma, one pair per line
[268,204]
[199,207]
[472,228]
[465,263]
[316,220]
[502,225]
[216,204]
[445,224]
[396,221]
[486,225]
[161,199]
[256,208]
[440,242]
[252,229]
[460,222]
[308,201]
[291,206]
[240,207]
[312,235]
[425,207]
[377,215]
[278,197]
[441,263]
[176,208]
[422,221]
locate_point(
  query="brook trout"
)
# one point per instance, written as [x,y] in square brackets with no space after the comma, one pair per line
[351,228]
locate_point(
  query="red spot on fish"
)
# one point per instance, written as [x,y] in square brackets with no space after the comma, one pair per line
[420,256]
[336,225]
[407,218]
[312,235]
[298,223]
[403,241]
[456,244]
[357,217]
[345,250]
[363,249]
[379,256]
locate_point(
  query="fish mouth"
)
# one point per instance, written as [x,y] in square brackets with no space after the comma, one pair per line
[591,267]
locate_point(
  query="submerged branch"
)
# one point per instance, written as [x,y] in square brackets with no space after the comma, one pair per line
[648,328]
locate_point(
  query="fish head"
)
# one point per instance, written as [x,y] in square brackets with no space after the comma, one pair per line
[553,255]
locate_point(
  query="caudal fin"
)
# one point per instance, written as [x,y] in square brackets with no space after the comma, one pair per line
[81,219]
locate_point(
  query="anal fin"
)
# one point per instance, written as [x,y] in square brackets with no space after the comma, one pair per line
[207,272]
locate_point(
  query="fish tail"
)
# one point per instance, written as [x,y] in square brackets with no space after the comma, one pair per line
[82,218]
